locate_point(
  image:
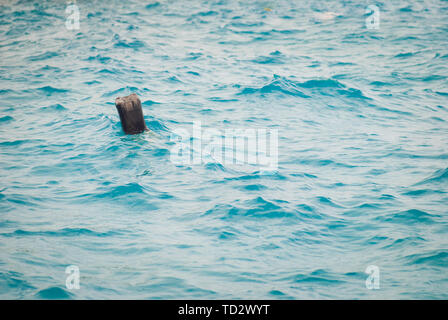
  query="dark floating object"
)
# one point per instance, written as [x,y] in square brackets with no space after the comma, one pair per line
[131,114]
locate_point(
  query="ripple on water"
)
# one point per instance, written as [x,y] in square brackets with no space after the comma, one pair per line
[319,277]
[6,119]
[306,89]
[66,232]
[436,258]
[411,216]
[255,208]
[55,293]
[13,281]
[437,177]
[54,108]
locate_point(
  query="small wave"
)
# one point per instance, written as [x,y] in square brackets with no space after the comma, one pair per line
[275,57]
[255,208]
[421,192]
[49,90]
[126,91]
[277,294]
[405,242]
[66,232]
[157,125]
[433,77]
[340,63]
[131,195]
[160,152]
[194,55]
[99,58]
[255,175]
[149,103]
[381,84]
[278,84]
[438,176]
[324,162]
[411,216]
[197,74]
[43,56]
[54,293]
[173,79]
[318,276]
[253,187]
[218,99]
[108,71]
[152,5]
[247,24]
[6,119]
[215,167]
[54,107]
[6,91]
[406,54]
[14,281]
[22,200]
[133,44]
[50,68]
[328,201]
[324,83]
[210,13]
[92,82]
[122,190]
[438,258]
[406,9]
[377,172]
[306,89]
[16,143]
[287,31]
[395,111]
[374,206]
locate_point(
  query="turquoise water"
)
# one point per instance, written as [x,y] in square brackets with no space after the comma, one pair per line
[362,174]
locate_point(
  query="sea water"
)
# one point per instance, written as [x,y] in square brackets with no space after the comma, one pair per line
[355,206]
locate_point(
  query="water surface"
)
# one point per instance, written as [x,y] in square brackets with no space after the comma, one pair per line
[362,173]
